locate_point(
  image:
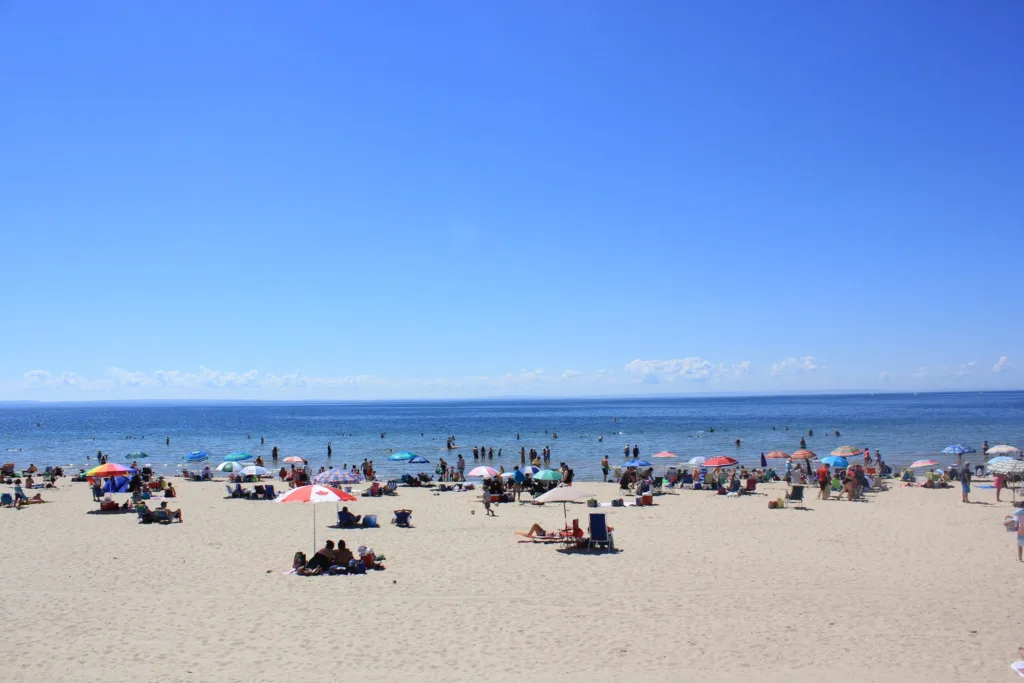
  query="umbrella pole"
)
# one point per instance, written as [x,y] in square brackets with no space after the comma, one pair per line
[314,527]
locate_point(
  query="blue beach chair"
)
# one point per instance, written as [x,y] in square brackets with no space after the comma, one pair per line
[599,533]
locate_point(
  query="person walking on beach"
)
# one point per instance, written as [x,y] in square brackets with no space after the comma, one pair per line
[486,497]
[965,482]
[604,467]
[518,479]
[824,482]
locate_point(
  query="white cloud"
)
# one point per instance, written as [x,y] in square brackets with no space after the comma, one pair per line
[964,369]
[572,374]
[921,372]
[734,371]
[38,378]
[656,371]
[804,363]
[1003,364]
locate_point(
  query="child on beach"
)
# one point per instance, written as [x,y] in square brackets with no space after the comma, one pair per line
[1012,522]
[486,497]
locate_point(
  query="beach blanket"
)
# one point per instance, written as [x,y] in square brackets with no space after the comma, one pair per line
[1018,666]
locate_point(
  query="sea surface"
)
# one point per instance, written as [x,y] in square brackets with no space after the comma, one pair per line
[904,427]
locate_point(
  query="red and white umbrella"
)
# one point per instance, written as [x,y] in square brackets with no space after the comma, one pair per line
[482,472]
[293,458]
[721,461]
[923,463]
[315,494]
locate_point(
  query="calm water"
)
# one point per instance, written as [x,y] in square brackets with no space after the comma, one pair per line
[904,427]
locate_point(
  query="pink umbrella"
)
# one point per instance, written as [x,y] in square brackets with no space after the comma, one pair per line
[664,454]
[315,493]
[482,472]
[293,458]
[721,461]
[923,463]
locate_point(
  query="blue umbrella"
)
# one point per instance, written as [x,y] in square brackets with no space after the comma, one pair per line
[402,455]
[196,456]
[236,456]
[418,460]
[637,463]
[835,461]
[529,469]
[958,449]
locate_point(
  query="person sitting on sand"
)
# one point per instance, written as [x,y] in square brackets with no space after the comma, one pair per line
[346,520]
[342,555]
[169,491]
[21,499]
[30,483]
[320,562]
[173,514]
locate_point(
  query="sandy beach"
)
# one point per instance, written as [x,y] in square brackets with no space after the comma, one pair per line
[911,585]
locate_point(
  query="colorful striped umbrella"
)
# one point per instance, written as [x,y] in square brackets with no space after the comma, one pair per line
[847,451]
[196,456]
[529,469]
[721,461]
[230,466]
[418,460]
[922,463]
[958,449]
[111,469]
[294,458]
[803,454]
[1010,466]
[483,471]
[236,456]
[664,454]
[777,455]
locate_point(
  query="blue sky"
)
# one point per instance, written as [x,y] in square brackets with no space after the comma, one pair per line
[359,200]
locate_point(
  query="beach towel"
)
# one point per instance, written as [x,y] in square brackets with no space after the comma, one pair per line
[1018,666]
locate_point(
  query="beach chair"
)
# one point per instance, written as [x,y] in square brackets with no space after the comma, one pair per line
[402,518]
[600,535]
[231,493]
[6,500]
[796,494]
[269,492]
[391,488]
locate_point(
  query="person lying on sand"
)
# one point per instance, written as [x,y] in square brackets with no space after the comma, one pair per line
[538,531]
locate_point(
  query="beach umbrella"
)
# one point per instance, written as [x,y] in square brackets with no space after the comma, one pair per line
[778,455]
[506,475]
[958,449]
[236,456]
[254,471]
[230,466]
[351,477]
[483,471]
[1004,450]
[636,463]
[548,475]
[1000,458]
[136,455]
[664,454]
[196,456]
[330,477]
[294,458]
[847,451]
[803,454]
[922,463]
[699,460]
[315,493]
[721,461]
[111,469]
[835,461]
[402,455]
[1007,467]
[764,463]
[419,460]
[529,469]
[563,495]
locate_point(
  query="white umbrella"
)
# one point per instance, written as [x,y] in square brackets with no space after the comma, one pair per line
[1003,450]
[252,470]
[699,460]
[1007,467]
[230,466]
[563,495]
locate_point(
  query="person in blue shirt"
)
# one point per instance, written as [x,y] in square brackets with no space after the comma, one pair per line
[518,479]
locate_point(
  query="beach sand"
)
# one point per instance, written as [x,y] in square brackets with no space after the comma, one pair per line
[910,586]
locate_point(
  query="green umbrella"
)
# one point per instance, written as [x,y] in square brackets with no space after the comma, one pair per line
[548,475]
[233,457]
[230,466]
[137,454]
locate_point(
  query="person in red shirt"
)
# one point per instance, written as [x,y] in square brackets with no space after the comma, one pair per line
[824,482]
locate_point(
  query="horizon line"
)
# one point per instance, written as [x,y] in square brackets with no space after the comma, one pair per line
[506,397]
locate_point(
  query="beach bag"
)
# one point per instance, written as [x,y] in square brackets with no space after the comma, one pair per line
[356,567]
[592,503]
[772,504]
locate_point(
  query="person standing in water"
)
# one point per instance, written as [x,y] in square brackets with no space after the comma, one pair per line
[604,467]
[329,451]
[273,454]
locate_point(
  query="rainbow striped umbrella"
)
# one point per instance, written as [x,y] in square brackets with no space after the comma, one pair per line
[847,451]
[111,469]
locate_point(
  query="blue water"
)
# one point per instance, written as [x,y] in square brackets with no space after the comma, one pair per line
[903,426]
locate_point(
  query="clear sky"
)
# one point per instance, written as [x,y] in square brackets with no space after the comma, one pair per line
[413,199]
